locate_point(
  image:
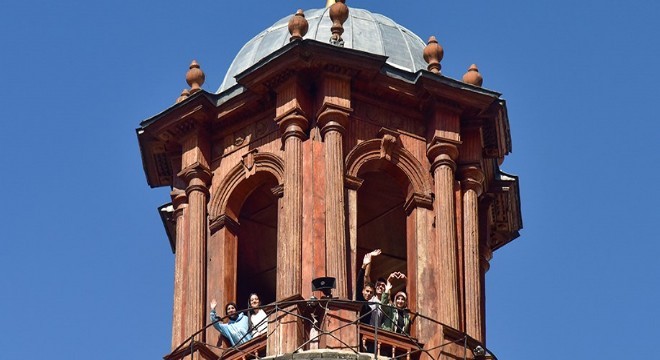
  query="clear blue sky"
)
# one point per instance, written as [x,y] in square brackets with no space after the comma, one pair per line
[85,266]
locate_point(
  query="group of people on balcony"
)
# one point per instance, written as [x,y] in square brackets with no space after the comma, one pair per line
[241,327]
[377,309]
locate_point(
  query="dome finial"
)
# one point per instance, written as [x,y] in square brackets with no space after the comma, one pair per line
[433,54]
[195,77]
[298,26]
[184,95]
[338,15]
[473,77]
[329,3]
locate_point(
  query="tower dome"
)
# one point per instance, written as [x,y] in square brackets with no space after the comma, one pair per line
[363,30]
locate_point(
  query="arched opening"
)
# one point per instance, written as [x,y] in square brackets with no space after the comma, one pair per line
[257,246]
[381,223]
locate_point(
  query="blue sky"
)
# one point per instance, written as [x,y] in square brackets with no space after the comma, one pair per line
[85,265]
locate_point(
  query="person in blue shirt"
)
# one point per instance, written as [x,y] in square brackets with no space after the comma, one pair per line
[236,330]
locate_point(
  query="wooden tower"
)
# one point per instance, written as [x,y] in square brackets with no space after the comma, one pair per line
[315,151]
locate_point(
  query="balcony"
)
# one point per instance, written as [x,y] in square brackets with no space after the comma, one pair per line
[330,328]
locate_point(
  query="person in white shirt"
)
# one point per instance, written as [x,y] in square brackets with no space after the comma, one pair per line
[258,318]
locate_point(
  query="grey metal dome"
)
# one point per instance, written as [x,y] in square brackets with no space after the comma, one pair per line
[363,30]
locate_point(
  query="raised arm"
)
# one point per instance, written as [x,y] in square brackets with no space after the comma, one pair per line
[366,264]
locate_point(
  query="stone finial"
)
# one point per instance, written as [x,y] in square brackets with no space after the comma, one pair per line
[298,25]
[338,15]
[195,77]
[433,54]
[184,95]
[473,77]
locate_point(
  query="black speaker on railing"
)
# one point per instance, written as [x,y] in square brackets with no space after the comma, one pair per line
[324,284]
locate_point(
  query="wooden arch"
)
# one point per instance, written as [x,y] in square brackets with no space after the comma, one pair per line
[228,196]
[382,154]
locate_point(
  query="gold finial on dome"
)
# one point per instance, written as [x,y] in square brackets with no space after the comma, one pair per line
[329,3]
[473,77]
[184,95]
[195,77]
[433,54]
[338,15]
[298,25]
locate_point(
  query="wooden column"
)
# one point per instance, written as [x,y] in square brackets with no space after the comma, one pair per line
[332,120]
[422,255]
[353,185]
[442,155]
[179,202]
[290,117]
[472,183]
[222,248]
[335,221]
[197,176]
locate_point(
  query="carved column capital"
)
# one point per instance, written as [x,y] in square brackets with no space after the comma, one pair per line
[442,152]
[278,191]
[472,178]
[293,124]
[352,182]
[223,221]
[179,200]
[486,255]
[416,200]
[332,117]
[197,176]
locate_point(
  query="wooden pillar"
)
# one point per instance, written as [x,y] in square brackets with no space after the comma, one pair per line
[332,120]
[179,202]
[353,185]
[442,155]
[221,268]
[290,115]
[291,108]
[423,258]
[197,176]
[472,183]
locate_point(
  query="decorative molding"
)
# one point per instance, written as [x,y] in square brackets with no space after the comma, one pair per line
[278,191]
[442,152]
[196,170]
[416,200]
[223,221]
[179,201]
[279,78]
[352,182]
[333,117]
[370,150]
[243,136]
[221,192]
[472,178]
[293,123]
[389,141]
[248,163]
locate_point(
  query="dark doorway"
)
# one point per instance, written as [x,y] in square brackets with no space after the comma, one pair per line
[257,246]
[381,224]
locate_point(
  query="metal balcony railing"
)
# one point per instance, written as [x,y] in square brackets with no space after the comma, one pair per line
[335,324]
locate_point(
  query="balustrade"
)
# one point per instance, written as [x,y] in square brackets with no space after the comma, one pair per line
[334,325]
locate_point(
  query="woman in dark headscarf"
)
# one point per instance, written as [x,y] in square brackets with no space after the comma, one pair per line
[236,329]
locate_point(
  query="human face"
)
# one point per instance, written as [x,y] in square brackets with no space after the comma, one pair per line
[231,310]
[400,302]
[368,292]
[254,301]
[380,287]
